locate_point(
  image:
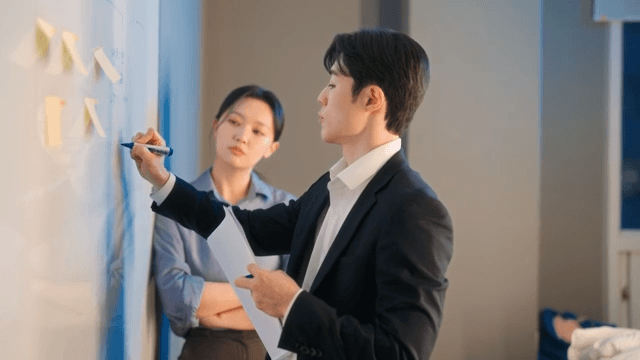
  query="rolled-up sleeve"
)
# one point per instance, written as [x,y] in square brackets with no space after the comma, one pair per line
[180,291]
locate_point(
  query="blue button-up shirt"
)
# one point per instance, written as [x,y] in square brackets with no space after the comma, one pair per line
[183,260]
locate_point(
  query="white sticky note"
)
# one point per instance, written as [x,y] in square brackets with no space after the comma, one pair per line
[69,40]
[46,28]
[106,65]
[25,54]
[90,104]
[79,127]
[53,107]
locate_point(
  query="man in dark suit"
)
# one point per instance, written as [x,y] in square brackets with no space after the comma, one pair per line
[369,241]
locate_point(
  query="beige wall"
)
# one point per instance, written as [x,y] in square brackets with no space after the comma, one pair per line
[476,140]
[573,141]
[279,45]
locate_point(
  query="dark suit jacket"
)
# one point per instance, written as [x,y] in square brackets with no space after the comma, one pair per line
[379,293]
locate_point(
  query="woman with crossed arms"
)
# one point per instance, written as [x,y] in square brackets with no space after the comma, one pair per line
[195,294]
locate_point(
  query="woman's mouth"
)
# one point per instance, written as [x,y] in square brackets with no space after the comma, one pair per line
[236,150]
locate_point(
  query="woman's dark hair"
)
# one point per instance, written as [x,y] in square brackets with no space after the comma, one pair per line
[386,58]
[258,93]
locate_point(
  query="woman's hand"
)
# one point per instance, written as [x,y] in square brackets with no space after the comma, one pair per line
[150,166]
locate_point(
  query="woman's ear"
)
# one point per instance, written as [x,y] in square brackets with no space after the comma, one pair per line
[272,148]
[214,128]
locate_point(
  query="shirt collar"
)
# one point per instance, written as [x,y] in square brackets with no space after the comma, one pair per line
[366,166]
[259,187]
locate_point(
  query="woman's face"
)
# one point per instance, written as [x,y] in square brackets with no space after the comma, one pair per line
[244,134]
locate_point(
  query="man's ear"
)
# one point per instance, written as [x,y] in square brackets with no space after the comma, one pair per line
[374,99]
[274,146]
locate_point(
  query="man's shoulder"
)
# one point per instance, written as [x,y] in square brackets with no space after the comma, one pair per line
[409,181]
[407,189]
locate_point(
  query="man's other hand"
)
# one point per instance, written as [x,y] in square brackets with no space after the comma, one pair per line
[272,290]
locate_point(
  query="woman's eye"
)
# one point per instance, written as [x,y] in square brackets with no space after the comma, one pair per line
[331,86]
[257,132]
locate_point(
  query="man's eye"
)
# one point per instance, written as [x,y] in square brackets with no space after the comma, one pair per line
[257,132]
[331,86]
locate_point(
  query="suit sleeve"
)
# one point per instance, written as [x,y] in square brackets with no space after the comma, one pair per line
[411,258]
[269,231]
[191,208]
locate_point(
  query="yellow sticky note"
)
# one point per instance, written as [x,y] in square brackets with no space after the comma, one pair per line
[90,105]
[53,107]
[106,65]
[69,40]
[55,58]
[46,28]
[44,32]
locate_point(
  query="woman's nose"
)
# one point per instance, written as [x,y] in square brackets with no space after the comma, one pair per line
[242,133]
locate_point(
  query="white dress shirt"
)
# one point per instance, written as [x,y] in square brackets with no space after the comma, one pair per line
[345,187]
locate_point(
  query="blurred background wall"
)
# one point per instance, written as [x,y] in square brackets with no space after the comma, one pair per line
[476,140]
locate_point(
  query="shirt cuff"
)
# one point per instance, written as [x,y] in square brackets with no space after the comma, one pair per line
[286,314]
[160,195]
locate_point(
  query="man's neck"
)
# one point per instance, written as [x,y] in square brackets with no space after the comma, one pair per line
[354,150]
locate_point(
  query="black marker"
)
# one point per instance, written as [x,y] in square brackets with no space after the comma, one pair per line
[158,150]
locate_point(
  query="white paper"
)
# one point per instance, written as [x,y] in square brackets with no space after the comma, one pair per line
[106,65]
[231,248]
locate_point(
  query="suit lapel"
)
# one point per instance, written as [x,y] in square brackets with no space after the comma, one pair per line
[359,211]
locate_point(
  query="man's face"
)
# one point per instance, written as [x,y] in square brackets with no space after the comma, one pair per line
[342,119]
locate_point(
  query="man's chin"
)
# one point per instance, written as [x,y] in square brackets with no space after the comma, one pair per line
[328,139]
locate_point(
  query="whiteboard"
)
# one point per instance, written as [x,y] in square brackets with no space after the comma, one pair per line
[75,221]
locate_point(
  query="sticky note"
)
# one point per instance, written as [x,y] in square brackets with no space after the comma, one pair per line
[53,107]
[46,28]
[106,65]
[44,32]
[24,54]
[90,106]
[55,64]
[69,40]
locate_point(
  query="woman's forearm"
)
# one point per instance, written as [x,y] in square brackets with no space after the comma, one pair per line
[235,319]
[216,299]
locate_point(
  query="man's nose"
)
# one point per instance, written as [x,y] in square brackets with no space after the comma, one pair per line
[322,98]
